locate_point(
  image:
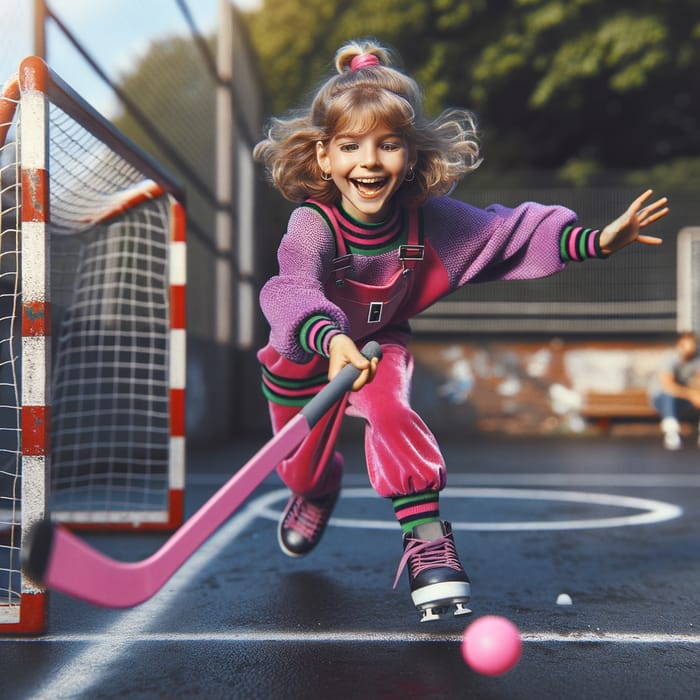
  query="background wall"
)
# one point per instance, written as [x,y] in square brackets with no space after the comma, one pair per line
[521,387]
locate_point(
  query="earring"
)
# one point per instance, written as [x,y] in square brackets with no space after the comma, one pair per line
[326,176]
[411,175]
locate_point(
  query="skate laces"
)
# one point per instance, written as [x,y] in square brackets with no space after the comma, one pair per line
[307,517]
[421,555]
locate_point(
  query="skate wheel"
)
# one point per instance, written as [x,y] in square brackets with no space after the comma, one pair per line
[430,614]
[461,610]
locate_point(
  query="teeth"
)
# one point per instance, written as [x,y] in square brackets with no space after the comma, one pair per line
[369,183]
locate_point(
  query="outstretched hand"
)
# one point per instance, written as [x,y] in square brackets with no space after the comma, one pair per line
[343,351]
[626,228]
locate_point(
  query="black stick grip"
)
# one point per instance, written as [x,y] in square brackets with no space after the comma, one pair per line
[36,553]
[335,390]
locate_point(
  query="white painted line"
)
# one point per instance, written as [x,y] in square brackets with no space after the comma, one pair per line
[87,669]
[511,479]
[588,479]
[650,511]
[352,636]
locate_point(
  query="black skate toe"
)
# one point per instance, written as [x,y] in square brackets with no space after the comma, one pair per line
[303,523]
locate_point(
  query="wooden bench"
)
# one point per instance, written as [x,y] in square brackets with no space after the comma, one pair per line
[604,407]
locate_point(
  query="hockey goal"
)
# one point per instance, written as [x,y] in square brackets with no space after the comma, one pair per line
[92,329]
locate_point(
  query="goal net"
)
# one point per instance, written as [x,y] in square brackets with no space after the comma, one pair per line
[92,329]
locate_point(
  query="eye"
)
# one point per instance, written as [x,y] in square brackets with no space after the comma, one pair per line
[391,146]
[348,147]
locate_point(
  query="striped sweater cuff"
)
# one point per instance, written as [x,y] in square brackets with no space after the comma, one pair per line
[578,243]
[316,333]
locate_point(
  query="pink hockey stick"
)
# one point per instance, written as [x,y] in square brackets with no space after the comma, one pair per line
[63,562]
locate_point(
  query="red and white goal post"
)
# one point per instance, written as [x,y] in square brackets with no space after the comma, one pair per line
[92,329]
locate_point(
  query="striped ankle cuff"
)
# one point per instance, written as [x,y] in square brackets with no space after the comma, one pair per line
[417,509]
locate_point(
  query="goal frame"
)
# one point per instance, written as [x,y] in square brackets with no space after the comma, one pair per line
[28,95]
[688,304]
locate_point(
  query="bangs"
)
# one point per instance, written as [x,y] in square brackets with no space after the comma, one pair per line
[359,111]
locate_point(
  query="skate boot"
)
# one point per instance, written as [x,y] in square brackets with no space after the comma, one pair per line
[303,522]
[435,575]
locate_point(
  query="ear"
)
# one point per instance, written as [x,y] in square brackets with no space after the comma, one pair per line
[322,157]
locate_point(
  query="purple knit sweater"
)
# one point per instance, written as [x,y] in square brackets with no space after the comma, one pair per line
[468,245]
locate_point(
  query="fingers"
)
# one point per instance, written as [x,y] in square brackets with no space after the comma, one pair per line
[649,208]
[359,361]
[343,351]
[650,212]
[367,375]
[648,215]
[649,240]
[638,203]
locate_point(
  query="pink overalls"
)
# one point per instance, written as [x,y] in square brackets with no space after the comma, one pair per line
[402,454]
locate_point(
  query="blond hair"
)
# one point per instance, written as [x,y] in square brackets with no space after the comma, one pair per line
[444,149]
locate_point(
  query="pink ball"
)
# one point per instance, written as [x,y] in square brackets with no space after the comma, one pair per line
[492,645]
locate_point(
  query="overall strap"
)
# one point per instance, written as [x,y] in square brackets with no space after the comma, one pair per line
[410,253]
[343,260]
[414,250]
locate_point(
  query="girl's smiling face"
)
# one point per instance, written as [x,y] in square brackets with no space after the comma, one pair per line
[367,168]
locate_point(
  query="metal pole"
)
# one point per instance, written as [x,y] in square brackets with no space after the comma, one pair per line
[40,29]
[224,177]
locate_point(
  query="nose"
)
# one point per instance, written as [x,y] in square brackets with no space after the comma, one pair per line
[369,156]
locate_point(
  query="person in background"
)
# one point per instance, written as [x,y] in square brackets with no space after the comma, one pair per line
[675,389]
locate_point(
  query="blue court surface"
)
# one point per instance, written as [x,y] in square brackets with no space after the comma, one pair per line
[614,524]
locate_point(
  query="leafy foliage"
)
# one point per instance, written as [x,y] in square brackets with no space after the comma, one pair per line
[581,86]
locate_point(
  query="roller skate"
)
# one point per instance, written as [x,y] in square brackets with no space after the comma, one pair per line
[436,578]
[303,522]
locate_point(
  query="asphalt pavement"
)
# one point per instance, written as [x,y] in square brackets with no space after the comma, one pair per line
[611,523]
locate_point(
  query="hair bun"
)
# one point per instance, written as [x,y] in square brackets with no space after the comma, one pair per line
[355,55]
[363,61]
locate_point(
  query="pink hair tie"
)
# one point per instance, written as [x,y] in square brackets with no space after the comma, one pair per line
[364,60]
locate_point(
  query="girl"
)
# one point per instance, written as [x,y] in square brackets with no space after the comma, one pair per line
[376,239]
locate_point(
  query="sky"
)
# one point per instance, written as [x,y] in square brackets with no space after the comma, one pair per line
[114,32]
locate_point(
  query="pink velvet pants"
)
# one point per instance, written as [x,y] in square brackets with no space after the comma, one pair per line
[402,454]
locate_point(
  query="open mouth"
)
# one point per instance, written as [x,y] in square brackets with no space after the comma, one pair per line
[369,186]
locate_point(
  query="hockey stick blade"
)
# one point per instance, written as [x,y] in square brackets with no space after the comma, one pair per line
[63,562]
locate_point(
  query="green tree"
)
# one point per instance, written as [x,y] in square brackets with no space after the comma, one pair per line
[170,87]
[578,86]
[174,96]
